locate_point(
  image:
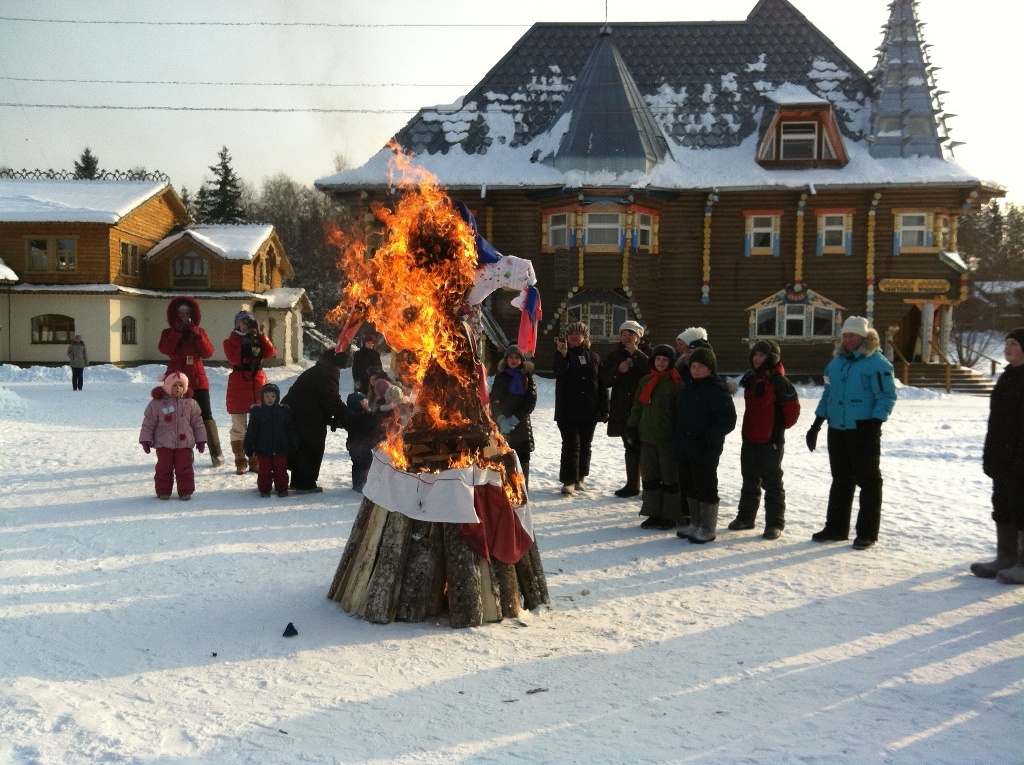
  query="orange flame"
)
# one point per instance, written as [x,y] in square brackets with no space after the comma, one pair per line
[412,287]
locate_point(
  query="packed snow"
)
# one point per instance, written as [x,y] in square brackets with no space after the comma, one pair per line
[141,631]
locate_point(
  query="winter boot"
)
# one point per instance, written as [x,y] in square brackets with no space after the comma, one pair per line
[652,503]
[632,487]
[693,526]
[708,523]
[1006,553]
[213,442]
[1015,574]
[240,462]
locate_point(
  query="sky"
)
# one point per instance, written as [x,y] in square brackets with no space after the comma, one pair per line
[141,631]
[393,58]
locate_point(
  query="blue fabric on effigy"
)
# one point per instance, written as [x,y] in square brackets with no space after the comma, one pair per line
[485,252]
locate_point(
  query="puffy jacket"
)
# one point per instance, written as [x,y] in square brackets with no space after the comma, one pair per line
[172,423]
[1004,441]
[706,415]
[657,419]
[270,431]
[315,398]
[247,377]
[771,405]
[519,405]
[186,345]
[77,355]
[858,386]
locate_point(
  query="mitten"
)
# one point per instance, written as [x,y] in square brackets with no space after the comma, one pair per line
[201,446]
[812,434]
[502,422]
[146,446]
[512,422]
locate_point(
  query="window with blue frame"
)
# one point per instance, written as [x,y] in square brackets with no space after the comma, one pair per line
[835,232]
[913,232]
[762,232]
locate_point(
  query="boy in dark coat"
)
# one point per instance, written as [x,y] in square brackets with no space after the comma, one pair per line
[363,360]
[315,401]
[1003,462]
[513,397]
[705,416]
[580,403]
[365,432]
[271,436]
[772,407]
[621,371]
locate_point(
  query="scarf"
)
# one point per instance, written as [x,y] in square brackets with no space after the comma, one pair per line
[657,377]
[517,386]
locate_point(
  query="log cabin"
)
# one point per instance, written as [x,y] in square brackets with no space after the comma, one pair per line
[744,176]
[102,258]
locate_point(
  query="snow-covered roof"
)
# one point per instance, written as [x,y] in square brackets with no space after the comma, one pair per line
[66,201]
[709,85]
[283,297]
[231,242]
[7,273]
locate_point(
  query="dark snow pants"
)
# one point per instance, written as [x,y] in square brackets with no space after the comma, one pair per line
[854,457]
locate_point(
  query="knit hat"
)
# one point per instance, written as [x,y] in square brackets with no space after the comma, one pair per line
[690,334]
[355,400]
[632,326]
[1016,334]
[244,315]
[664,350]
[380,388]
[170,378]
[578,326]
[856,325]
[698,343]
[769,348]
[513,350]
[705,356]
[270,388]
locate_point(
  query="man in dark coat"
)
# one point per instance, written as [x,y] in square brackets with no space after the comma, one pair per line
[580,403]
[1003,462]
[315,402]
[621,371]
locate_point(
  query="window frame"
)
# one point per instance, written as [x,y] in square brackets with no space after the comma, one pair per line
[55,325]
[926,230]
[603,316]
[129,331]
[589,229]
[843,226]
[191,279]
[130,258]
[751,231]
[52,254]
[802,139]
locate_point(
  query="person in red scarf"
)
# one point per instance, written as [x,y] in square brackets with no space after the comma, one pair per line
[650,423]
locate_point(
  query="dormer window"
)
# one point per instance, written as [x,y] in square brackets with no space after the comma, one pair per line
[803,137]
[190,270]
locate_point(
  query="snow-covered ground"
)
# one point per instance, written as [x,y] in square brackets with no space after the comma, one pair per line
[140,631]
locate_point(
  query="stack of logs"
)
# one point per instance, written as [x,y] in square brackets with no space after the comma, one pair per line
[395,568]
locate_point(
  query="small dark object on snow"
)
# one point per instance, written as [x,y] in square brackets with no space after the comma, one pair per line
[214,654]
[537,690]
[290,630]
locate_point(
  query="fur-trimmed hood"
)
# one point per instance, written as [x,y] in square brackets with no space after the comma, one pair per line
[869,347]
[172,310]
[526,366]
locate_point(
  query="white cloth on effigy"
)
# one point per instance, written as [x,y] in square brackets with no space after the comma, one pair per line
[444,497]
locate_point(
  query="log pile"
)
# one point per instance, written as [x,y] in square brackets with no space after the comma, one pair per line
[395,568]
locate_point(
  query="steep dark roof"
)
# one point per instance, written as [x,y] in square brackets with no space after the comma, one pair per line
[907,119]
[702,81]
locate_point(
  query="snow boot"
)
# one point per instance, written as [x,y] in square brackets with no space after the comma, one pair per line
[693,526]
[240,462]
[1006,553]
[708,528]
[632,487]
[213,442]
[1014,574]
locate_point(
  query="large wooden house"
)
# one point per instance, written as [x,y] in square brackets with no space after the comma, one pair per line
[102,259]
[744,176]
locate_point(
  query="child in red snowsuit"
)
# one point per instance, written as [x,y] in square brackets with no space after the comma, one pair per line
[173,424]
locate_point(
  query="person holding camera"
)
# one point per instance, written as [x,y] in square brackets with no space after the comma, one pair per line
[186,344]
[245,349]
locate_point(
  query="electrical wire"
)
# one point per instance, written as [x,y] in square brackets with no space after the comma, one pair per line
[235,84]
[269,110]
[327,24]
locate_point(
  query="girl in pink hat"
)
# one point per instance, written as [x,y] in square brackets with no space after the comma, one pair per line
[173,424]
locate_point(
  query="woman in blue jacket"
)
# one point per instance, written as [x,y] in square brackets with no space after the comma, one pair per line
[858,397]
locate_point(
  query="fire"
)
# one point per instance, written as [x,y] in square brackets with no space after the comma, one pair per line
[413,287]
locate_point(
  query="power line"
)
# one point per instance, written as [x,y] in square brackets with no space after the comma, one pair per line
[269,110]
[235,84]
[328,24]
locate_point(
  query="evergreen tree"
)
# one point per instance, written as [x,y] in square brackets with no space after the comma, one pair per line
[86,166]
[220,200]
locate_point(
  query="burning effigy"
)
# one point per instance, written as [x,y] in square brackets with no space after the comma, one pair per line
[445,523]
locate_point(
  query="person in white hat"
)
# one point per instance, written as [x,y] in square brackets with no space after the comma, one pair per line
[859,395]
[621,371]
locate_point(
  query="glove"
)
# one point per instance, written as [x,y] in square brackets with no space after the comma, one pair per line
[146,446]
[510,424]
[633,437]
[201,446]
[812,434]
[502,422]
